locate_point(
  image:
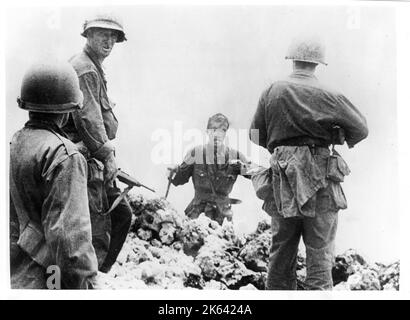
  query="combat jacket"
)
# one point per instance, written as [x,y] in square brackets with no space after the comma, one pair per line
[95,124]
[299,108]
[213,179]
[49,209]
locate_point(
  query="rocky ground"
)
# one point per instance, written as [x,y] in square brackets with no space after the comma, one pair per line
[166,250]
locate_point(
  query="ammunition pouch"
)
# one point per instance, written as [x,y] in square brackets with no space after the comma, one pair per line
[337,168]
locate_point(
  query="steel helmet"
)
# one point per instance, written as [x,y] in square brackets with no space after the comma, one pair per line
[51,87]
[105,22]
[308,50]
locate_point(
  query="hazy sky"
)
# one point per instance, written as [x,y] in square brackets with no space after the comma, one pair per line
[182,64]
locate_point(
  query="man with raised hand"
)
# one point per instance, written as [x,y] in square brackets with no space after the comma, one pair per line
[214,168]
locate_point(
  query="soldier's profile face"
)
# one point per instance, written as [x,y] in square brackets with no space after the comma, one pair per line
[102,41]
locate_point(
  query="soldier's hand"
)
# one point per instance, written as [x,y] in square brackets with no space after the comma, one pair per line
[110,170]
[338,135]
[172,170]
[237,166]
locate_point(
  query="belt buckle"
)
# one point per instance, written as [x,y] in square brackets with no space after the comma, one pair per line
[313,149]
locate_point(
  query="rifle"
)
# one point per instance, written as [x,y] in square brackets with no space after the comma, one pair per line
[170,177]
[130,182]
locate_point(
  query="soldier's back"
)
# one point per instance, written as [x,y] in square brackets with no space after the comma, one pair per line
[34,154]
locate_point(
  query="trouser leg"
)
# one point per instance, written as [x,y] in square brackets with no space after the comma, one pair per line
[283,253]
[319,237]
[120,225]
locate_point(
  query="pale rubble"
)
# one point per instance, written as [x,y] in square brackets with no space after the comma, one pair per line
[248,287]
[389,276]
[255,253]
[166,250]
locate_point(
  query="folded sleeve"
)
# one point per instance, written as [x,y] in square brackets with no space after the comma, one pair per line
[352,121]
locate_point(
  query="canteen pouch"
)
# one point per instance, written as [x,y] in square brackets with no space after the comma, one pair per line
[337,168]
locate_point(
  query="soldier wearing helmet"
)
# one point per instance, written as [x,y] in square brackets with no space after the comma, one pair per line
[214,168]
[297,119]
[92,128]
[49,217]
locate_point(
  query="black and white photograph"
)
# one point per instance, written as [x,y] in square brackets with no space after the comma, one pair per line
[202,147]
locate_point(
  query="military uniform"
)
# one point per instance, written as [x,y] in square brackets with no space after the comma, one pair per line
[93,127]
[213,179]
[293,120]
[50,222]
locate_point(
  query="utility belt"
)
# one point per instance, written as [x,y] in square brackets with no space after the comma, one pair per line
[314,144]
[216,207]
[210,197]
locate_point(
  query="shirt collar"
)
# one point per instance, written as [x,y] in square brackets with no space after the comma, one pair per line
[216,152]
[302,74]
[46,125]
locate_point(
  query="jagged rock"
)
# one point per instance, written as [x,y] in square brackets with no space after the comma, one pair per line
[255,253]
[262,227]
[139,254]
[194,281]
[195,232]
[248,287]
[342,286]
[300,271]
[122,283]
[211,257]
[345,265]
[177,246]
[167,232]
[215,285]
[156,243]
[166,250]
[153,213]
[218,264]
[389,276]
[152,272]
[227,232]
[144,234]
[364,279]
